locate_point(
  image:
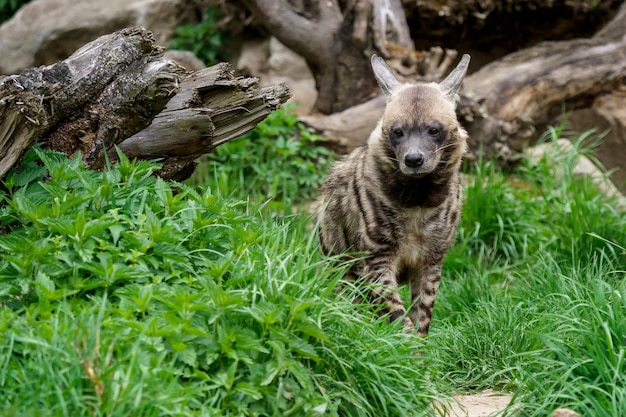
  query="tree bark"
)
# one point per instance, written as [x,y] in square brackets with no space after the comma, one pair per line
[337,37]
[119,91]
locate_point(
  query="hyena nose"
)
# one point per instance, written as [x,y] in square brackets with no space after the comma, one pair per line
[413,160]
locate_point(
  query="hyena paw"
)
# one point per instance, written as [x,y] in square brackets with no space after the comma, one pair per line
[408,325]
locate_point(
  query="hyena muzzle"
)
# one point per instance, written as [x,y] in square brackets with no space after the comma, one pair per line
[396,201]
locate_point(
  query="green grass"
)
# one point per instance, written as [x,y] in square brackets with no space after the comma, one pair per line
[121,294]
[279,163]
[532,301]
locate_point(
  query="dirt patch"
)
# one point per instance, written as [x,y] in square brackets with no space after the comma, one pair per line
[482,404]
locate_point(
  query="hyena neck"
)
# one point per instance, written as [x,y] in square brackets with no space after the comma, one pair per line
[425,192]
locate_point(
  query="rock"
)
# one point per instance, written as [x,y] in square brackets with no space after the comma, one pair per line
[565,412]
[47,31]
[481,404]
[607,113]
[286,66]
[274,63]
[253,57]
[584,166]
[286,62]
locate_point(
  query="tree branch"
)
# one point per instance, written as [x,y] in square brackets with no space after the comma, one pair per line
[390,26]
[308,36]
[528,82]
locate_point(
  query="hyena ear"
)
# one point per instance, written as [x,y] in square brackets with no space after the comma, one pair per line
[450,86]
[387,81]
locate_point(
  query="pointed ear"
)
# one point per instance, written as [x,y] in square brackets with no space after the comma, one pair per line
[450,86]
[386,80]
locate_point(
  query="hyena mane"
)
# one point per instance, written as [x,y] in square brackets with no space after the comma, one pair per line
[396,201]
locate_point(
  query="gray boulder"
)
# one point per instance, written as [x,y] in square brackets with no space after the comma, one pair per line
[47,31]
[606,114]
[583,167]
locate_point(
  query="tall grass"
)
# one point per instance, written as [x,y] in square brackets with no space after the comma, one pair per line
[532,298]
[582,328]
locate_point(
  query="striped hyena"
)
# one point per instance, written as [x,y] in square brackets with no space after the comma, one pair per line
[396,201]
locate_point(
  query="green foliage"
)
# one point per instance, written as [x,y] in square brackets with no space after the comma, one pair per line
[206,39]
[279,160]
[589,224]
[9,7]
[120,295]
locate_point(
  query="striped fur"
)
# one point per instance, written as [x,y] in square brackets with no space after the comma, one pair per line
[397,199]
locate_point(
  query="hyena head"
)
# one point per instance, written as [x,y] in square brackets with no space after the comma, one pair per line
[420,131]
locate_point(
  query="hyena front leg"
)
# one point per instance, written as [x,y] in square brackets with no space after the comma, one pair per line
[424,287]
[384,291]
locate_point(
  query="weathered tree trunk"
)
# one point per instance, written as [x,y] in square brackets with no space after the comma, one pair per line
[320,34]
[505,104]
[119,91]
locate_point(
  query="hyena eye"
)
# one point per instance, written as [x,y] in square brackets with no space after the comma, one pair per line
[433,131]
[398,133]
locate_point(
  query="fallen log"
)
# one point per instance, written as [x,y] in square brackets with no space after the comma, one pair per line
[119,92]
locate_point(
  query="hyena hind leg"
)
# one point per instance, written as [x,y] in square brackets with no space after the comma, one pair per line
[424,293]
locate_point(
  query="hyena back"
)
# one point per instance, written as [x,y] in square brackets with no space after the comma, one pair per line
[397,199]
